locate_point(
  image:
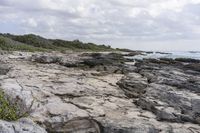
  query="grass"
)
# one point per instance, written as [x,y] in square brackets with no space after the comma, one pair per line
[33,43]
[14,46]
[9,111]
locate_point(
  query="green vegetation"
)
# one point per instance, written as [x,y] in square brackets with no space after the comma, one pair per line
[78,45]
[9,111]
[33,43]
[13,46]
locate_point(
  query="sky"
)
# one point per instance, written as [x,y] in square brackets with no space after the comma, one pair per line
[165,25]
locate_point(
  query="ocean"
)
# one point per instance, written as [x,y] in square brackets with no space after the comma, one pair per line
[173,55]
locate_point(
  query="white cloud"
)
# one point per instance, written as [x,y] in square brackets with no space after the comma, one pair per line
[107,21]
[31,22]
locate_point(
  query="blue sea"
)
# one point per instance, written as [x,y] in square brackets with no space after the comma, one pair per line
[173,55]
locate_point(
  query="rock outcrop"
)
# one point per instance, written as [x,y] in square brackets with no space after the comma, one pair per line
[102,93]
[134,85]
[166,89]
[107,62]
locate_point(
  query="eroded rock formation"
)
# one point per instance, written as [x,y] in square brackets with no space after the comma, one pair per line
[102,93]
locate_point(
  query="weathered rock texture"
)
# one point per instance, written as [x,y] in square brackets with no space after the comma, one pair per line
[168,89]
[3,68]
[21,126]
[89,93]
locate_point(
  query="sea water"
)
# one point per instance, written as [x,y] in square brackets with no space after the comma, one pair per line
[173,55]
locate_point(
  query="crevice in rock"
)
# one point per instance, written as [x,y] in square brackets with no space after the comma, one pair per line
[88,125]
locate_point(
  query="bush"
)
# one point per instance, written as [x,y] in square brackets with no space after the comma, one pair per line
[33,43]
[13,46]
[9,111]
[78,45]
[2,41]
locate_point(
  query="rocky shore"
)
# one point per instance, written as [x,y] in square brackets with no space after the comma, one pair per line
[101,93]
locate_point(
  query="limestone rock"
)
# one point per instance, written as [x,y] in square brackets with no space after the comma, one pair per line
[77,125]
[4,69]
[45,59]
[21,126]
[133,84]
[112,96]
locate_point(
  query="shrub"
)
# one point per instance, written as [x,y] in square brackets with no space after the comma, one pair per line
[14,46]
[33,43]
[9,111]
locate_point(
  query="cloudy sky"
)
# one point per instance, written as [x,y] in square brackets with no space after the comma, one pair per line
[135,24]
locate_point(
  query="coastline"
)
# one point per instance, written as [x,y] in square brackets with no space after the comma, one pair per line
[104,92]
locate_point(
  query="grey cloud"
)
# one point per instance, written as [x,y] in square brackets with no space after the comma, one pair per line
[105,21]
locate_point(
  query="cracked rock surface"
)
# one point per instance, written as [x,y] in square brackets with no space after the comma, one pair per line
[96,97]
[21,126]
